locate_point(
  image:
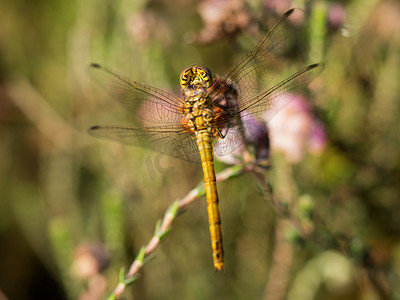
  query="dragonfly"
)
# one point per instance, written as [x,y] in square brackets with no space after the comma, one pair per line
[212,114]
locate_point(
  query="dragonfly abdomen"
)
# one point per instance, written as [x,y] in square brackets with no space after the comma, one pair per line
[204,143]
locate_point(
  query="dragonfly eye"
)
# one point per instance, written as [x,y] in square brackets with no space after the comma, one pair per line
[185,77]
[196,75]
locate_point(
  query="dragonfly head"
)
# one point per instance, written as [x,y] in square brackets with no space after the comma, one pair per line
[196,75]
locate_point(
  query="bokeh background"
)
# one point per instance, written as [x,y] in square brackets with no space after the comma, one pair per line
[322,223]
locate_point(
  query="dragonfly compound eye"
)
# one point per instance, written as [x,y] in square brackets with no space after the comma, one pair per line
[204,75]
[185,77]
[196,75]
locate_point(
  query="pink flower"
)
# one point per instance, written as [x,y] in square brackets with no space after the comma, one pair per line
[294,130]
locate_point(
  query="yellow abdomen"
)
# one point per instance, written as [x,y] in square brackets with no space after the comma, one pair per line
[204,142]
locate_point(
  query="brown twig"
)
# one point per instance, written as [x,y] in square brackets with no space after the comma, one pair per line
[277,206]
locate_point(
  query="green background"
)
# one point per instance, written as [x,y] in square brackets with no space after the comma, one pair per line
[62,190]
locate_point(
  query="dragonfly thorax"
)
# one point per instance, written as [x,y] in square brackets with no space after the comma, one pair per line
[197,109]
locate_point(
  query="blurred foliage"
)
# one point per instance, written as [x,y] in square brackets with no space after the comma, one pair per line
[74,211]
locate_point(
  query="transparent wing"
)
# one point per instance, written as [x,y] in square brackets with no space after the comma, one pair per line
[261,92]
[268,103]
[171,140]
[264,106]
[231,141]
[148,103]
[253,73]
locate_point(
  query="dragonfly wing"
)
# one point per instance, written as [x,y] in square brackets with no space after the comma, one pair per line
[256,71]
[232,140]
[149,103]
[254,131]
[244,116]
[268,103]
[170,139]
